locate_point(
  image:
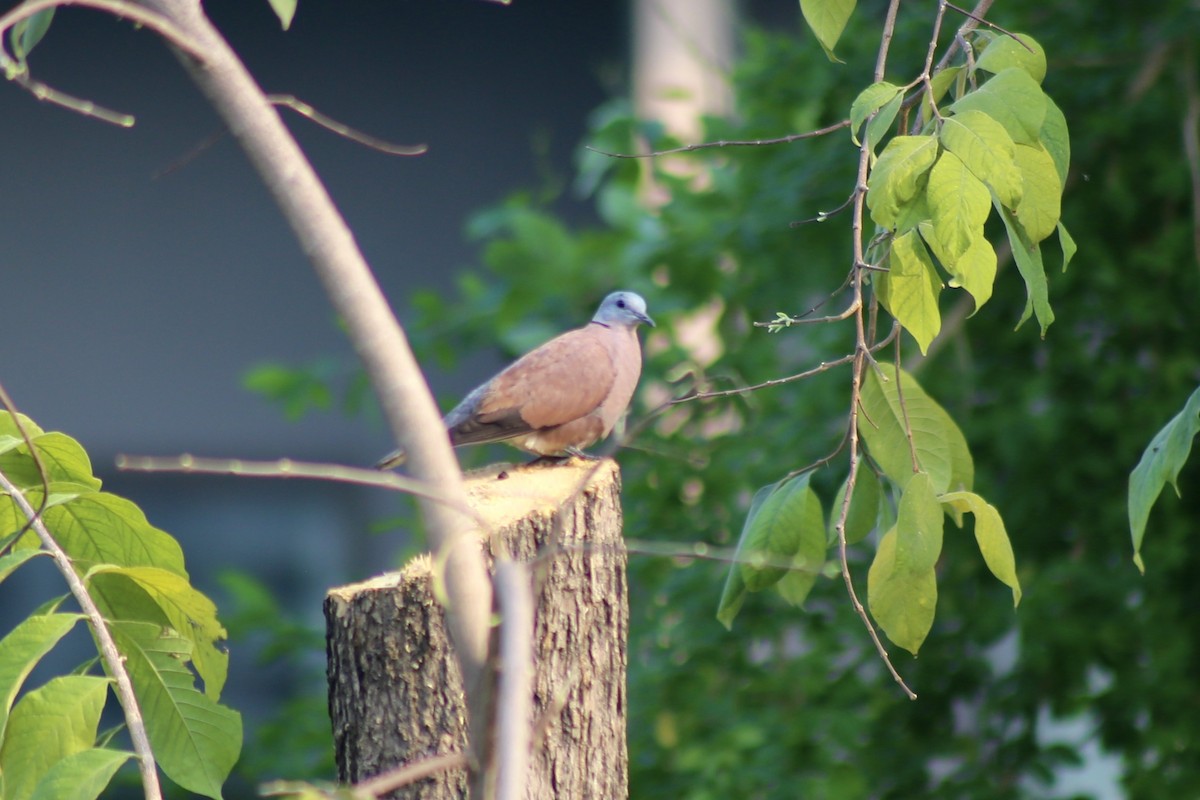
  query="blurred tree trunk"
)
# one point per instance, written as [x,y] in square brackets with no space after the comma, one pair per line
[395,692]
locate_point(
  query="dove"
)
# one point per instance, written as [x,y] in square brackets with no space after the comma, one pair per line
[562,396]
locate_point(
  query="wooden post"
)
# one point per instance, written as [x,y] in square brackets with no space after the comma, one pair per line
[395,693]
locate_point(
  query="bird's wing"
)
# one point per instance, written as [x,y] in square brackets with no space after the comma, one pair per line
[563,380]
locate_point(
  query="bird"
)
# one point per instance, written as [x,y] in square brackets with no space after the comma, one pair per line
[560,397]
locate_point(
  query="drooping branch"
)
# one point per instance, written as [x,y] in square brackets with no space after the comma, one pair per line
[327,241]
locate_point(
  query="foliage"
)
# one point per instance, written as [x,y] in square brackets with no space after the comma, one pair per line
[166,633]
[1165,456]
[781,706]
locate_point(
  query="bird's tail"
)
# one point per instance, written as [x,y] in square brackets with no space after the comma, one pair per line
[392,459]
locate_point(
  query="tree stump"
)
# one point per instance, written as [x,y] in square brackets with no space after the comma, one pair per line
[395,692]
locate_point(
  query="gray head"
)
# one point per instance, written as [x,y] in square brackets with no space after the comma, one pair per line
[623,308]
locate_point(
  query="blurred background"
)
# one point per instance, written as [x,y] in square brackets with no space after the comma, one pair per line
[149,283]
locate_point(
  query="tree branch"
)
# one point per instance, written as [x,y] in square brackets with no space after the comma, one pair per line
[378,339]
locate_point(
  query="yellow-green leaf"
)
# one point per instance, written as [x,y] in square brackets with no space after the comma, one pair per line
[973,270]
[869,101]
[189,611]
[810,555]
[902,602]
[1028,256]
[991,537]
[1041,192]
[827,19]
[1011,98]
[81,776]
[959,203]
[941,450]
[863,514]
[909,289]
[898,176]
[285,10]
[1004,51]
[1056,139]
[919,524]
[196,740]
[48,724]
[987,151]
[1068,245]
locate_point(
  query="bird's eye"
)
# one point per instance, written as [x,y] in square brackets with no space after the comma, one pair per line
[620,304]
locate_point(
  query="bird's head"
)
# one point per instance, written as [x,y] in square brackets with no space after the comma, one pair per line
[623,308]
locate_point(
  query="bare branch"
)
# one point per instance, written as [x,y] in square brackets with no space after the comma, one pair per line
[287,468]
[795,137]
[514,702]
[341,129]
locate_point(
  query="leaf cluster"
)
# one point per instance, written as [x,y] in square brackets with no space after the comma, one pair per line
[166,631]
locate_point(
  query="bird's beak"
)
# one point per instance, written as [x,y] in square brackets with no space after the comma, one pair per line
[646,319]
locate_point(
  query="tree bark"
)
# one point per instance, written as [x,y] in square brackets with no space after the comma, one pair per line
[395,691]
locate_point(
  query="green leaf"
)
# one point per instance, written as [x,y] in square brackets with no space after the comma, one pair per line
[187,609]
[777,531]
[1160,464]
[827,19]
[941,449]
[48,724]
[909,289]
[1029,263]
[1041,192]
[1055,138]
[195,740]
[919,525]
[1004,52]
[899,175]
[63,459]
[810,555]
[882,99]
[986,150]
[102,528]
[940,83]
[81,776]
[863,514]
[991,537]
[1012,99]
[902,602]
[25,35]
[9,426]
[869,100]
[285,10]
[22,648]
[297,390]
[974,270]
[1067,244]
[960,204]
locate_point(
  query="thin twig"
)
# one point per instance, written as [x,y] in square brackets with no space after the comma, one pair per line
[409,773]
[341,129]
[824,215]
[795,137]
[1191,139]
[108,648]
[977,18]
[861,353]
[287,468]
